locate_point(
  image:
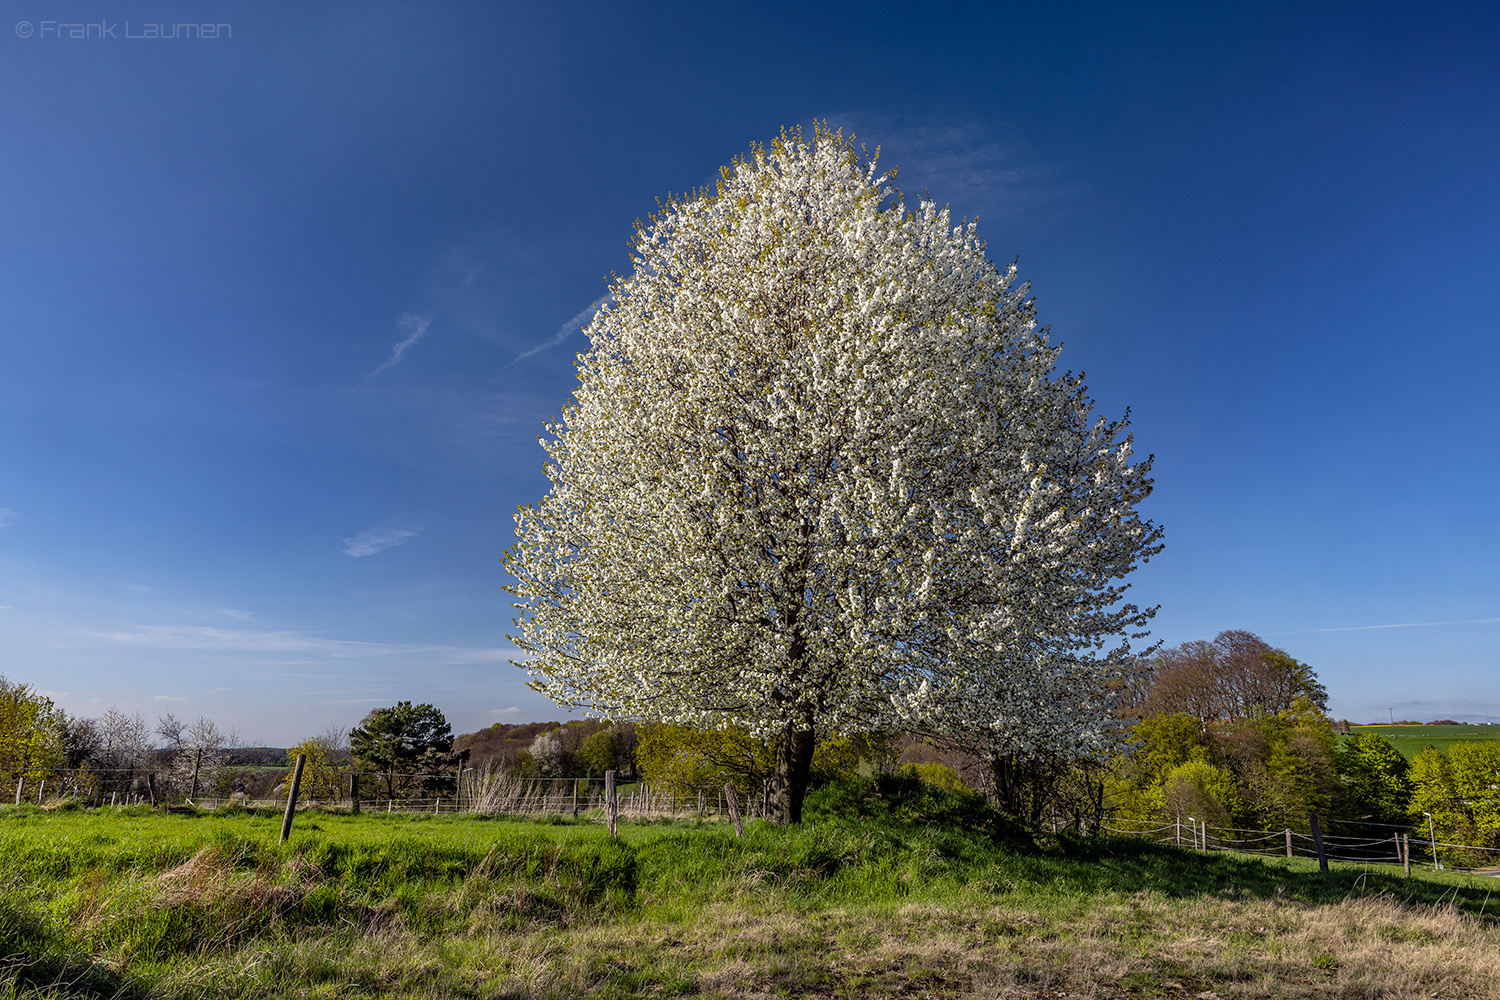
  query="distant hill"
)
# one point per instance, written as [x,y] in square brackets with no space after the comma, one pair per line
[501,744]
[257,757]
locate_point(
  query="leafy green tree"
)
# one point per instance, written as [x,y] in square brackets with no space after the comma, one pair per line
[1374,781]
[1158,745]
[1167,742]
[1198,789]
[31,733]
[322,774]
[402,741]
[598,753]
[1282,764]
[1280,767]
[1461,789]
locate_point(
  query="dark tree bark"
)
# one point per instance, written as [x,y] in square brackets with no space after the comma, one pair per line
[1023,788]
[793,765]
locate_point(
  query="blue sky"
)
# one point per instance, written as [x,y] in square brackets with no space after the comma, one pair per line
[283,312]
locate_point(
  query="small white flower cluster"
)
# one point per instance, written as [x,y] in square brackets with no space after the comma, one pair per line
[818,474]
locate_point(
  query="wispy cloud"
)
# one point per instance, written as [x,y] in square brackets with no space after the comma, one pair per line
[7,517]
[243,616]
[367,543]
[416,328]
[235,640]
[567,330]
[1369,628]
[513,710]
[966,164]
[167,697]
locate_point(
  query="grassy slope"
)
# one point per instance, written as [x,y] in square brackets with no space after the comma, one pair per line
[1411,739]
[867,903]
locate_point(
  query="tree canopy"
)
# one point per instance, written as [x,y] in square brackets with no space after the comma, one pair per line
[31,731]
[401,740]
[1237,675]
[818,478]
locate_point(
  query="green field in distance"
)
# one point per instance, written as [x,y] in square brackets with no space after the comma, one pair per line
[1411,739]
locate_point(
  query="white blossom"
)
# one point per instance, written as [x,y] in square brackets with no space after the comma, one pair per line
[819,473]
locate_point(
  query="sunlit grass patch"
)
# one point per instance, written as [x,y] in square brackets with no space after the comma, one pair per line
[865,900]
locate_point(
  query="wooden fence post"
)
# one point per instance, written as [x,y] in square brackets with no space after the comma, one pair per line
[291,797]
[1317,833]
[354,792]
[1406,853]
[151,785]
[1179,831]
[575,797]
[611,804]
[193,789]
[1288,841]
[41,791]
[734,810]
[19,782]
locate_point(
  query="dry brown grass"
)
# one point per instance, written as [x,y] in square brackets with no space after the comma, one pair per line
[1140,947]
[756,944]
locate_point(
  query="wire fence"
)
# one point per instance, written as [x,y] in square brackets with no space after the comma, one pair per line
[484,793]
[502,794]
[1394,848]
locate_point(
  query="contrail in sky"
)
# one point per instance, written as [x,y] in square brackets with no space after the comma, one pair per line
[416,327]
[569,328]
[1367,628]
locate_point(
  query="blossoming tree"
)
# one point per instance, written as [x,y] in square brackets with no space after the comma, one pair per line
[818,477]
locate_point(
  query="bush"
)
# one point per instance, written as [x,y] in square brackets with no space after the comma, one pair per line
[904,799]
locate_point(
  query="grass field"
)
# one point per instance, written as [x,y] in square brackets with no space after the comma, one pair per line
[910,895]
[1410,740]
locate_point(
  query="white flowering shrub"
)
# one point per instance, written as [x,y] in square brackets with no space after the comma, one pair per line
[818,477]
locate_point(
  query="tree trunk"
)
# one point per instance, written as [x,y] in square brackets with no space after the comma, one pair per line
[1023,788]
[794,755]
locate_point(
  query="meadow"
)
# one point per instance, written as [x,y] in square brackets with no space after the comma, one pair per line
[1411,740]
[889,890]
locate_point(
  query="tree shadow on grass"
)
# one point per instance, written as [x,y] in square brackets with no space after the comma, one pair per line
[34,960]
[994,846]
[1128,865]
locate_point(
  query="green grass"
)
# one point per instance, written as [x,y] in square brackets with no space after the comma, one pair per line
[1411,740]
[887,891]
